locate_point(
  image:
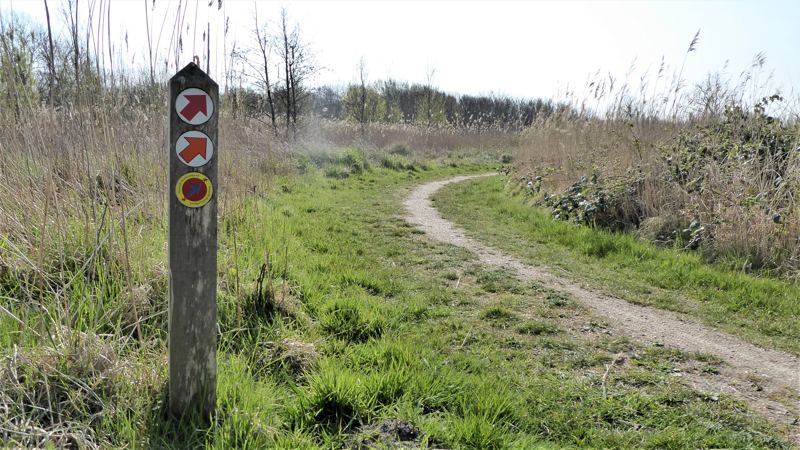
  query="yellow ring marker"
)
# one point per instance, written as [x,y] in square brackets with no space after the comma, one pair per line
[194,189]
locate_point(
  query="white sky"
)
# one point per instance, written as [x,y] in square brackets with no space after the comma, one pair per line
[520,48]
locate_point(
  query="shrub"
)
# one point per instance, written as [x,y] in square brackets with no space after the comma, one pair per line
[614,205]
[738,137]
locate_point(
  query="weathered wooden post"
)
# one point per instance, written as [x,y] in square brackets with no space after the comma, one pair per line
[192,194]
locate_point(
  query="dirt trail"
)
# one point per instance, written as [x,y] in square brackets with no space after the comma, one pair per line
[756,375]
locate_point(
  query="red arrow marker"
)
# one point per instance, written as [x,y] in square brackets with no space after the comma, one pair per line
[196,147]
[197,104]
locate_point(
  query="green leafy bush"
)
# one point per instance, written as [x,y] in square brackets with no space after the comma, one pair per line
[613,204]
[739,137]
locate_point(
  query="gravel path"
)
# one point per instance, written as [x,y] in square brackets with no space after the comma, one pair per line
[754,374]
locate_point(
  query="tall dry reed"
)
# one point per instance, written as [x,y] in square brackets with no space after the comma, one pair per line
[719,160]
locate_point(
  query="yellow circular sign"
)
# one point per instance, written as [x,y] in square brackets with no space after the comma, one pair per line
[194,189]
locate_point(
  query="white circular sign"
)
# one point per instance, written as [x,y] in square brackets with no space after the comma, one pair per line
[194,148]
[194,106]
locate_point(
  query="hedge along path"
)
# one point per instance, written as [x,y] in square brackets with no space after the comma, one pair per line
[753,374]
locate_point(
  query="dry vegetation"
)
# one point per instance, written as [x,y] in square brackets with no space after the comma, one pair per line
[714,167]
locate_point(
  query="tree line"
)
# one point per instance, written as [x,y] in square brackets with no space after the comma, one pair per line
[267,77]
[398,102]
[270,79]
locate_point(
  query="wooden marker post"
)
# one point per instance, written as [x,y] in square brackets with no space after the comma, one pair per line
[192,190]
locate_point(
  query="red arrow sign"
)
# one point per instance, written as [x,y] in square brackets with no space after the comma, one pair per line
[196,147]
[197,104]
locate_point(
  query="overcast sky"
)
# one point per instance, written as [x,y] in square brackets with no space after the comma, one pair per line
[520,48]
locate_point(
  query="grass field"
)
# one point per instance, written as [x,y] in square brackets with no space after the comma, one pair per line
[361,334]
[762,310]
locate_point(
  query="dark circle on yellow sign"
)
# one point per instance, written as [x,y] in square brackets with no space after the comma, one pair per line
[194,190]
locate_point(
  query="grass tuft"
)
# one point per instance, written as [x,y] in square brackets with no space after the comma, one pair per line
[497,312]
[351,320]
[538,327]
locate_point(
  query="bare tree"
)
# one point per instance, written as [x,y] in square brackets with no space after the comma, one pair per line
[287,62]
[265,48]
[298,66]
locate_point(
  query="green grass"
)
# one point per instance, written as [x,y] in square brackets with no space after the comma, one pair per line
[362,320]
[763,310]
[537,327]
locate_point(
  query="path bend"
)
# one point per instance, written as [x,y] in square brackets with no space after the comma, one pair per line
[777,372]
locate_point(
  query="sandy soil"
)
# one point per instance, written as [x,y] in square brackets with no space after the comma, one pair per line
[768,380]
